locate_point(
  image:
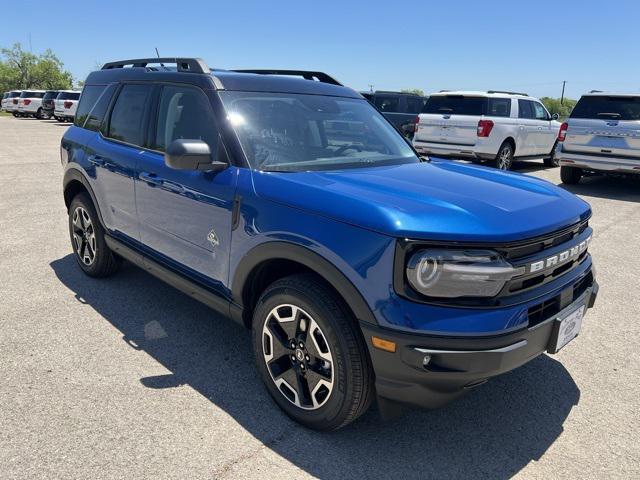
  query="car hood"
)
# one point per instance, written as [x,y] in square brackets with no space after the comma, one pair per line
[441,200]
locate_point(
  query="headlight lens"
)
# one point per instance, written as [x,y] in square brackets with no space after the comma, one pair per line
[458,273]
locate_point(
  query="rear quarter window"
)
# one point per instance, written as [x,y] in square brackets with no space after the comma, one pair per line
[499,107]
[455,105]
[607,107]
[90,96]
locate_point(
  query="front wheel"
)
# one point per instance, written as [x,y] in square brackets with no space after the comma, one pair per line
[504,158]
[87,239]
[570,175]
[310,353]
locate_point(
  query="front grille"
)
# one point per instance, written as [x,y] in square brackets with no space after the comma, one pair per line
[547,309]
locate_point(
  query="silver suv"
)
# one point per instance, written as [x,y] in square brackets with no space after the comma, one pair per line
[601,135]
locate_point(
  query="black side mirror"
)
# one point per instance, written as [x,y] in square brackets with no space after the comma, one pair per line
[185,154]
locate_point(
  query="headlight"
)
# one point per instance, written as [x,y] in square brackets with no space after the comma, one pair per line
[458,273]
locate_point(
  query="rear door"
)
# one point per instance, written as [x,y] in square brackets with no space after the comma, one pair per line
[607,125]
[451,119]
[527,129]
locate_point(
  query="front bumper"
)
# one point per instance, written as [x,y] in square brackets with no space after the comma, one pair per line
[455,364]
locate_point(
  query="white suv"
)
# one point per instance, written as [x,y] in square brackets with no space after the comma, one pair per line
[30,103]
[10,104]
[494,127]
[65,105]
[602,135]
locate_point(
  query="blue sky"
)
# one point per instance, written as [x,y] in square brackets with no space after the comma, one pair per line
[519,45]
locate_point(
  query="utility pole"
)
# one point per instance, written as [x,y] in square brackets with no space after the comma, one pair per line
[564,82]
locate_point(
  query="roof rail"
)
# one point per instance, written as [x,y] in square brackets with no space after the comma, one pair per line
[507,93]
[307,75]
[596,91]
[187,65]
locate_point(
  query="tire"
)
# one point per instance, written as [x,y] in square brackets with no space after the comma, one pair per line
[570,175]
[504,158]
[38,114]
[87,239]
[14,114]
[331,373]
[551,161]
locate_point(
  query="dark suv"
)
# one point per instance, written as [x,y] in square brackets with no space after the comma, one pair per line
[294,207]
[48,103]
[400,108]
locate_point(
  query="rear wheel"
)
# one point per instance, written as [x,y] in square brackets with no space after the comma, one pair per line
[504,158]
[311,354]
[87,239]
[551,160]
[39,113]
[570,175]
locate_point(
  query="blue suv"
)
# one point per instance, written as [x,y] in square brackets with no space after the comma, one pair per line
[285,201]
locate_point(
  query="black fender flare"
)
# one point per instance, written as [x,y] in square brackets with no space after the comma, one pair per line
[275,250]
[75,174]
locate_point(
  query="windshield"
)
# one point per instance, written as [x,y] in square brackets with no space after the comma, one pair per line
[607,107]
[294,132]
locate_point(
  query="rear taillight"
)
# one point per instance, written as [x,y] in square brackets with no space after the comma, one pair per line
[562,134]
[68,104]
[484,128]
[26,102]
[416,122]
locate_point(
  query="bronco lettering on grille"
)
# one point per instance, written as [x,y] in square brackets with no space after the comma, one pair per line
[560,258]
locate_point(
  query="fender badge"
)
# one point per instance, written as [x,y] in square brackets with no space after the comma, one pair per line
[213,239]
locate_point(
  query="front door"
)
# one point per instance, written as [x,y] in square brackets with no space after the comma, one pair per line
[185,215]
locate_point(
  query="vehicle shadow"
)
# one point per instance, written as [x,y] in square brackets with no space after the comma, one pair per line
[626,189]
[495,431]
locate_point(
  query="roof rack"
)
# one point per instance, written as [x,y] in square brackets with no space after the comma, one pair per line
[307,75]
[186,65]
[507,93]
[596,91]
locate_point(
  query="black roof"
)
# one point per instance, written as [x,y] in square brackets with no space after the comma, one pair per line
[195,72]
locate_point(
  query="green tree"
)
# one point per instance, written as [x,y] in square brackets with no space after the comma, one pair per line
[23,70]
[554,106]
[416,91]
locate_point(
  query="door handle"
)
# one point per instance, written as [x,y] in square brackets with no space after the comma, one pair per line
[151,179]
[97,160]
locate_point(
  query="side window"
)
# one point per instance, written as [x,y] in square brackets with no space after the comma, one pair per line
[499,107]
[525,109]
[185,112]
[90,95]
[539,111]
[386,104]
[127,117]
[99,110]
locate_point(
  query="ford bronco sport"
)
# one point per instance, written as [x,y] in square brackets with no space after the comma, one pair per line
[294,207]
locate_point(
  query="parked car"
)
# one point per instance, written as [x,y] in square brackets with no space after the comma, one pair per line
[399,108]
[602,135]
[491,127]
[11,102]
[65,105]
[292,206]
[4,100]
[48,103]
[30,104]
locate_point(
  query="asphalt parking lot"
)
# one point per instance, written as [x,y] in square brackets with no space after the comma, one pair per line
[128,378]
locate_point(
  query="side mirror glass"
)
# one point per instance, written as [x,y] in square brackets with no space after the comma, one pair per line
[186,154]
[555,116]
